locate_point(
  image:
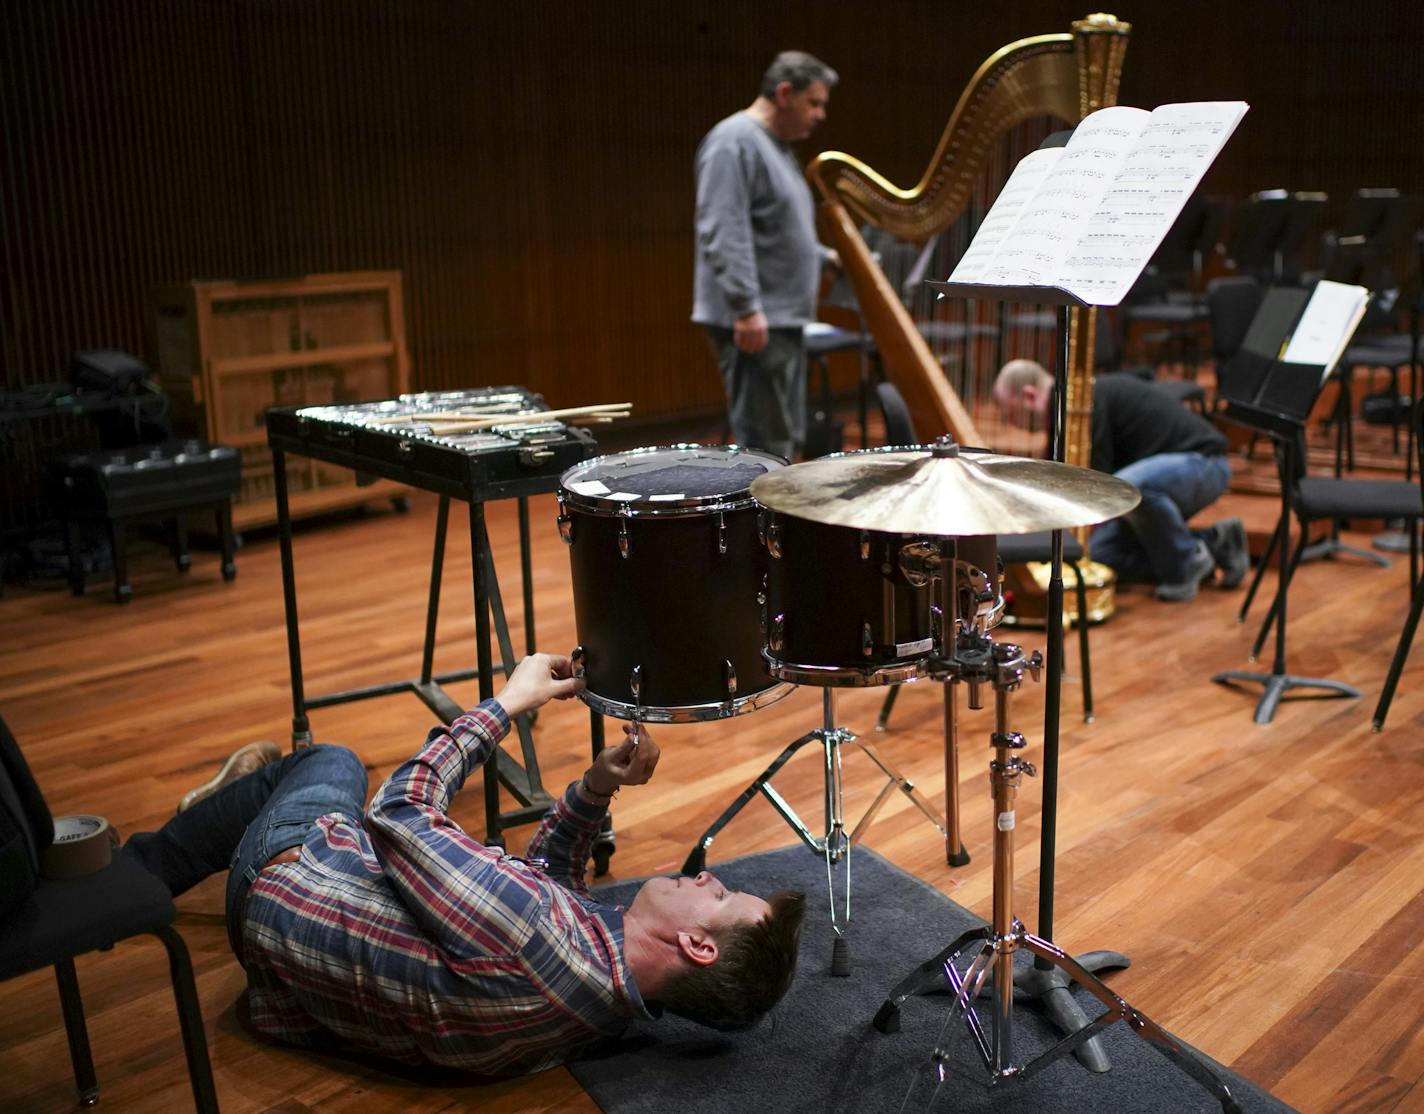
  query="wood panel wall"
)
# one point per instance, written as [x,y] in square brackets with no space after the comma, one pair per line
[527,165]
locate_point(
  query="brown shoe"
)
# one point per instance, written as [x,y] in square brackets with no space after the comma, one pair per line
[240,763]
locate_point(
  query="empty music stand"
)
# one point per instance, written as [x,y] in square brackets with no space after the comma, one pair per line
[1271,397]
[1269,232]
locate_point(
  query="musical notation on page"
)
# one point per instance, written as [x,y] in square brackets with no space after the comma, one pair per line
[1087,217]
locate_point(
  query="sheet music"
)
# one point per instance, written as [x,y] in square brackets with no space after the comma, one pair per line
[1004,213]
[1088,221]
[1173,152]
[1327,325]
[1051,220]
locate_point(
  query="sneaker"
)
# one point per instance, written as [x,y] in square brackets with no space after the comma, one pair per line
[1227,542]
[1200,567]
[240,763]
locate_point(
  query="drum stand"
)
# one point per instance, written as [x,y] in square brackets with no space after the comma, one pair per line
[978,660]
[836,844]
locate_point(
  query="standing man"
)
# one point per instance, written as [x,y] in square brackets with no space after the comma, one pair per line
[1177,459]
[758,261]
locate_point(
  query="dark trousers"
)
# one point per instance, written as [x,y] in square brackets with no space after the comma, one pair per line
[766,390]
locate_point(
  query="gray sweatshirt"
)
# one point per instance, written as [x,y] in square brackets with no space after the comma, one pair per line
[756,229]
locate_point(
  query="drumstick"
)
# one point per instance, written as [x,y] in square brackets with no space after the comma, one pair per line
[609,412]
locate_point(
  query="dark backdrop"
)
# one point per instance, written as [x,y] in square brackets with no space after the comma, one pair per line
[527,164]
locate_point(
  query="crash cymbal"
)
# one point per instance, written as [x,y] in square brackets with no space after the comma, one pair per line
[940,490]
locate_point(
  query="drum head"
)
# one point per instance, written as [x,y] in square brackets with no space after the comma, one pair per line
[667,480]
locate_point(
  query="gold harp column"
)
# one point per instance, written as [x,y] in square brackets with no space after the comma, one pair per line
[1099,42]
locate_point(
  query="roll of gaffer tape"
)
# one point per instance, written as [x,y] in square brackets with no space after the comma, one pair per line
[82,845]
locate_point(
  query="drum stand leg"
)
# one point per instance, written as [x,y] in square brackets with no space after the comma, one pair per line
[836,844]
[991,970]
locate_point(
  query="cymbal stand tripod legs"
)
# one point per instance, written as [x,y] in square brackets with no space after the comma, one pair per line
[835,845]
[991,971]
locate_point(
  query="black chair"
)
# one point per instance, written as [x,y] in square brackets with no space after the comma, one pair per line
[1013,549]
[46,923]
[1333,499]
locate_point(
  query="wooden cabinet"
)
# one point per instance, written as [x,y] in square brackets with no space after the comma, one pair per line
[226,351]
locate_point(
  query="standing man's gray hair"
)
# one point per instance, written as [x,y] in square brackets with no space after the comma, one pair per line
[799,69]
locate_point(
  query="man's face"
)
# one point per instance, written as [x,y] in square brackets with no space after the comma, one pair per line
[682,904]
[799,112]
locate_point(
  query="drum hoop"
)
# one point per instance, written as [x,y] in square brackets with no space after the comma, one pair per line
[686,713]
[845,676]
[695,505]
[613,509]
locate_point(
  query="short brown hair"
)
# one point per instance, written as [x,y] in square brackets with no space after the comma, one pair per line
[754,967]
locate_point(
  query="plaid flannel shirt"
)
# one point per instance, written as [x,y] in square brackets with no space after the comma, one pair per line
[405,937]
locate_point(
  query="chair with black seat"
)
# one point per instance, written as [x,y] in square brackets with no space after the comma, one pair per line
[1362,261]
[1013,549]
[47,922]
[1335,499]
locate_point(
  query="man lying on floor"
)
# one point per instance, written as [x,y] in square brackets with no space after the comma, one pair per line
[391,930]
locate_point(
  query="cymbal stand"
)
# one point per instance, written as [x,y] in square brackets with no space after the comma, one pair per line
[979,660]
[835,845]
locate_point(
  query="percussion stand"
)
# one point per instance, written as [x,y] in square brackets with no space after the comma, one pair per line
[978,660]
[835,845]
[1043,981]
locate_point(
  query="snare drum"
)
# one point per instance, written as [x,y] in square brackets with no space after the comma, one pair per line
[839,610]
[847,607]
[667,574]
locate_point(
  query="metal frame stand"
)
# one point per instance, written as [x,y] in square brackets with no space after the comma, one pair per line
[523,782]
[991,971]
[835,845]
[1278,682]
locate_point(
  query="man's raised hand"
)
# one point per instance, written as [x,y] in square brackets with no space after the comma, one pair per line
[536,680]
[624,764]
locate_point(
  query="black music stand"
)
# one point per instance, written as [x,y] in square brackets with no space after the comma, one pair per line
[1274,398]
[1269,232]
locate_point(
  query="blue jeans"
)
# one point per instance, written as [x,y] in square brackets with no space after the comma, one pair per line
[1152,542]
[244,824]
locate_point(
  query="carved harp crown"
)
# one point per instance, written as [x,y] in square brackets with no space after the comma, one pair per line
[1063,76]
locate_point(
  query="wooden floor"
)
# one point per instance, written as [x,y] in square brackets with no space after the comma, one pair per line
[1267,881]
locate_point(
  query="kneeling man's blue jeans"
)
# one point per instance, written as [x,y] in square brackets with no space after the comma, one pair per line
[1152,541]
[244,824]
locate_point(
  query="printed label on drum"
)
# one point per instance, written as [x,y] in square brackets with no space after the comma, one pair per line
[906,649]
[589,487]
[1005,821]
[624,496]
[666,498]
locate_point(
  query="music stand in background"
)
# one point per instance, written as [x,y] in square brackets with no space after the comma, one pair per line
[1269,232]
[1274,398]
[1172,283]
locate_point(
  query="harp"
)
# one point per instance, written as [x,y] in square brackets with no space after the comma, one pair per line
[1026,85]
